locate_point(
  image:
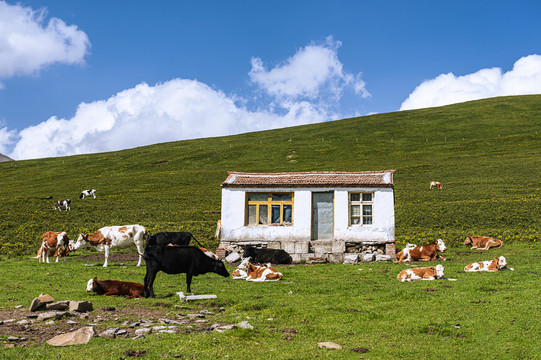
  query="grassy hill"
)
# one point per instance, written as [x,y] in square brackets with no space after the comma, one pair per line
[487,155]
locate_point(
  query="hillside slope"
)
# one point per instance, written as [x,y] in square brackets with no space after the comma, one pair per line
[486,154]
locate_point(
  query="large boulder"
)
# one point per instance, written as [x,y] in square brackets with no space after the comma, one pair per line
[81,336]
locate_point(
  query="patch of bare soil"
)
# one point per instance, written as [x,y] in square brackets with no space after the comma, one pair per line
[99,257]
[24,328]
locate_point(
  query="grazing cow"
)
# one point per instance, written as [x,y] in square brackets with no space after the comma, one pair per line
[241,271]
[56,253]
[273,256]
[435,184]
[262,273]
[127,289]
[87,193]
[181,238]
[62,204]
[424,273]
[422,253]
[177,260]
[490,265]
[114,237]
[482,242]
[53,242]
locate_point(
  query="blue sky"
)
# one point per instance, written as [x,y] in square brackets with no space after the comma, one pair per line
[92,76]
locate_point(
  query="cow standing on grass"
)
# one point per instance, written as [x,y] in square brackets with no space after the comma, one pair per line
[87,193]
[178,260]
[53,242]
[62,204]
[114,237]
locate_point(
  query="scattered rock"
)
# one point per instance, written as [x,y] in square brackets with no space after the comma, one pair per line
[80,306]
[245,325]
[143,331]
[368,257]
[329,345]
[231,258]
[225,328]
[41,301]
[50,315]
[60,305]
[81,336]
[109,333]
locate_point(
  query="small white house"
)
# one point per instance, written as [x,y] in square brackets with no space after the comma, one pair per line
[310,214]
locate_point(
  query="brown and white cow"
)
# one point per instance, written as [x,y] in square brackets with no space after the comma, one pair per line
[262,273]
[55,243]
[490,265]
[127,289]
[114,237]
[62,204]
[241,272]
[423,273]
[482,242]
[428,252]
[436,184]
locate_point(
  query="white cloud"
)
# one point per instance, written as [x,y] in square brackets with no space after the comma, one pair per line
[185,109]
[311,73]
[523,79]
[28,42]
[143,115]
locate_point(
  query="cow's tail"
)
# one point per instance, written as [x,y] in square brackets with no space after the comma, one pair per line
[198,243]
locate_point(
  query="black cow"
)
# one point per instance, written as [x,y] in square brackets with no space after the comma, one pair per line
[174,238]
[263,256]
[177,260]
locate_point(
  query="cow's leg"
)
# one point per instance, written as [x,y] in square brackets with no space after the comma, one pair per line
[189,281]
[106,255]
[140,251]
[149,290]
[57,258]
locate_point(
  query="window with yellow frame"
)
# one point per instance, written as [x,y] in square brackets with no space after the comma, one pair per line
[360,208]
[269,208]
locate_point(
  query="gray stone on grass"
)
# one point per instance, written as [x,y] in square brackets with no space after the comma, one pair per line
[41,301]
[351,258]
[81,336]
[383,258]
[329,345]
[80,306]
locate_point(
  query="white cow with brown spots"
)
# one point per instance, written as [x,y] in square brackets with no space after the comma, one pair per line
[490,265]
[436,184]
[114,237]
[262,273]
[53,242]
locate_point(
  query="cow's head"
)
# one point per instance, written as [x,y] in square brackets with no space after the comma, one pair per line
[244,264]
[502,262]
[441,245]
[90,285]
[467,241]
[439,271]
[220,269]
[81,243]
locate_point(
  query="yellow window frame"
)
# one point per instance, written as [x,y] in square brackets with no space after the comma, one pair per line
[269,203]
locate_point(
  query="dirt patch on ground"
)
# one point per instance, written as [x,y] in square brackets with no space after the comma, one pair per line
[21,327]
[96,258]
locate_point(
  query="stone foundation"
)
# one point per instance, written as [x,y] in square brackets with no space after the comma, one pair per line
[332,251]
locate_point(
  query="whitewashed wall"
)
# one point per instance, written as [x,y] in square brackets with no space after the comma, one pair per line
[381,231]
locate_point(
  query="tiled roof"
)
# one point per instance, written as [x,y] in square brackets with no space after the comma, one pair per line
[310,179]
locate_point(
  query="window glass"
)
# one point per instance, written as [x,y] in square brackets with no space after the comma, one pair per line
[355,197]
[360,206]
[252,214]
[257,197]
[263,215]
[367,210]
[281,197]
[287,213]
[355,210]
[275,214]
[367,196]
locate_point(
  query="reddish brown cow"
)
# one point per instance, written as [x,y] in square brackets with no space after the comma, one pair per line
[127,289]
[482,242]
[422,253]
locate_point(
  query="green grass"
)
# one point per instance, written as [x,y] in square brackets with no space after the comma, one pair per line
[479,314]
[485,153]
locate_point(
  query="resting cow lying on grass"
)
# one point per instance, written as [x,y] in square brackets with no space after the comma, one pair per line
[482,242]
[115,288]
[423,273]
[490,265]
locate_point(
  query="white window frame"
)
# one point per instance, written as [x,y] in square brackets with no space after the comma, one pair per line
[361,203]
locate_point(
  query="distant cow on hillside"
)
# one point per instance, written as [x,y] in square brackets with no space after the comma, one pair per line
[87,193]
[436,184]
[62,204]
